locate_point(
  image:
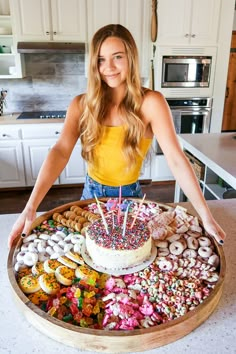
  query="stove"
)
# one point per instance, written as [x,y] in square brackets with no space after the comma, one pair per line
[42,115]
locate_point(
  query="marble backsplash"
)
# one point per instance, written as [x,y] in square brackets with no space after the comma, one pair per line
[50,83]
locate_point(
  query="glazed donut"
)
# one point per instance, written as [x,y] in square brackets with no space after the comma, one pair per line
[192,243]
[174,237]
[64,275]
[205,252]
[204,241]
[30,258]
[29,238]
[189,253]
[176,248]
[49,283]
[29,284]
[43,256]
[214,260]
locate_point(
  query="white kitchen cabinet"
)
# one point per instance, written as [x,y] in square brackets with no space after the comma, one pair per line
[160,170]
[11,158]
[50,20]
[182,22]
[133,14]
[10,61]
[75,171]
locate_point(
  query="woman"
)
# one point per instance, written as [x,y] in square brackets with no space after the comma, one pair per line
[116,121]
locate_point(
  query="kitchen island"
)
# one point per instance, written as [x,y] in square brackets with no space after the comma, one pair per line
[216,335]
[215,155]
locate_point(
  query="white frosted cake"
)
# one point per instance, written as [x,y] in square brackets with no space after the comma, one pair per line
[115,251]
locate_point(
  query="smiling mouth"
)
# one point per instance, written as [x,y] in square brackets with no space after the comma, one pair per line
[111,76]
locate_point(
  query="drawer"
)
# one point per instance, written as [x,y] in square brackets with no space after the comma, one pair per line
[9,133]
[198,166]
[41,131]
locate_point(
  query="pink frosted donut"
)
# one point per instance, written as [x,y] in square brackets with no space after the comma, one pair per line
[176,248]
[204,241]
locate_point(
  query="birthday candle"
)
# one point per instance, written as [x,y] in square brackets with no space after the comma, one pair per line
[102,215]
[125,220]
[119,210]
[139,208]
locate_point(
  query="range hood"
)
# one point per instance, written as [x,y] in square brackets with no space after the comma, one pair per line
[51,47]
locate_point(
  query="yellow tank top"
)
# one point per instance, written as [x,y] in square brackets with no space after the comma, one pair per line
[110,166]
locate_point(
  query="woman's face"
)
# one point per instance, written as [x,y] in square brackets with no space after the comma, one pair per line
[113,62]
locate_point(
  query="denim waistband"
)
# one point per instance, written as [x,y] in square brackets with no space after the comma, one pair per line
[92,188]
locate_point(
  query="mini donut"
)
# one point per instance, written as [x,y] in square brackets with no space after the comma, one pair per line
[56,255]
[19,266]
[56,238]
[51,243]
[67,262]
[161,244]
[214,260]
[49,283]
[213,278]
[83,231]
[165,265]
[29,284]
[176,248]
[65,275]
[87,223]
[189,253]
[44,237]
[55,215]
[41,246]
[38,268]
[49,250]
[205,252]
[61,234]
[30,258]
[68,213]
[50,265]
[24,247]
[194,234]
[59,218]
[204,241]
[75,257]
[82,220]
[163,252]
[57,249]
[71,223]
[20,256]
[77,248]
[78,226]
[77,210]
[174,237]
[63,221]
[42,256]
[76,238]
[192,243]
[33,248]
[68,247]
[29,238]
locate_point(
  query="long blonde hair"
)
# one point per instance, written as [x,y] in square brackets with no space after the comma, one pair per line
[96,98]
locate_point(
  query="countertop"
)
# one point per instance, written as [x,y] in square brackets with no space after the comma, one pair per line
[10,119]
[216,150]
[215,336]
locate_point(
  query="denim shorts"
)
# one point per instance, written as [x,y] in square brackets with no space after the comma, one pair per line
[92,188]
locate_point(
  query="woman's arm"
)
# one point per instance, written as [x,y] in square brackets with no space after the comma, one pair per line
[157,113]
[51,168]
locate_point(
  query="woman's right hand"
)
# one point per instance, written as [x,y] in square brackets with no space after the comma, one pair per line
[22,225]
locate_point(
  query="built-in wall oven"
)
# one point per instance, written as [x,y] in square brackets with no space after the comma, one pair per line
[190,115]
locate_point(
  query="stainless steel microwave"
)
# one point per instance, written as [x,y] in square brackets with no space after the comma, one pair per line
[186,71]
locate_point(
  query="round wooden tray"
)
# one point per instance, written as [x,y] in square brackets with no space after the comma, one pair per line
[109,341]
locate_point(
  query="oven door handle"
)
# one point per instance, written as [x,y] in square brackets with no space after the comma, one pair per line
[192,111]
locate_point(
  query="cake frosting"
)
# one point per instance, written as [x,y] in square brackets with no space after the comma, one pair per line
[118,249]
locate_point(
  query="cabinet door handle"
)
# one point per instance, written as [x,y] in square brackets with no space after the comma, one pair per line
[54,32]
[193,35]
[186,35]
[47,33]
[4,135]
[56,132]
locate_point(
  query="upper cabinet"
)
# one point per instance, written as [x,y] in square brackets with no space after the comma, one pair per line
[184,22]
[10,60]
[133,14]
[50,20]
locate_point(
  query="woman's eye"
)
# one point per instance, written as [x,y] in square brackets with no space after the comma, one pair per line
[100,60]
[118,57]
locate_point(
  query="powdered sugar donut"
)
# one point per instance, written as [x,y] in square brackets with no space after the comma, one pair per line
[204,241]
[189,253]
[214,260]
[30,258]
[204,252]
[29,238]
[192,243]
[20,256]
[176,248]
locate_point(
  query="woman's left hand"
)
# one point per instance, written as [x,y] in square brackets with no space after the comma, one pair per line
[214,229]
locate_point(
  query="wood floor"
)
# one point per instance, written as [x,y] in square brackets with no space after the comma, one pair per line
[13,201]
